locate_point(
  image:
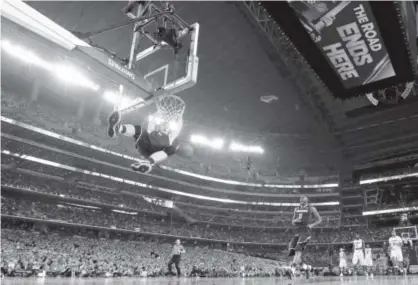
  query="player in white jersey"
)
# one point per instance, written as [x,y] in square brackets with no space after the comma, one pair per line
[368,261]
[358,251]
[343,261]
[395,249]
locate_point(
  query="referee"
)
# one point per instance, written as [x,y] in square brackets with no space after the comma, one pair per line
[178,249]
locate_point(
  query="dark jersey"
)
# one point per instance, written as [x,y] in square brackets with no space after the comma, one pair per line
[149,143]
[303,214]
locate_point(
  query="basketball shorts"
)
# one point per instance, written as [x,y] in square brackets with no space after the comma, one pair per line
[146,147]
[303,232]
[368,262]
[358,257]
[343,263]
[396,255]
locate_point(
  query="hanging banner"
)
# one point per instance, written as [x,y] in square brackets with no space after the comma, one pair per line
[349,38]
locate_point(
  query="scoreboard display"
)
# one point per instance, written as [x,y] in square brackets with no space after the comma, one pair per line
[355,47]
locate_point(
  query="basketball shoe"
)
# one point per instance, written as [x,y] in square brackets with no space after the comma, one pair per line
[113,123]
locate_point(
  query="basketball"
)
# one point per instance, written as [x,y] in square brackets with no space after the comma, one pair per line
[185,150]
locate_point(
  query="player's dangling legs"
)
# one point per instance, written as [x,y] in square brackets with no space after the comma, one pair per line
[134,131]
[115,127]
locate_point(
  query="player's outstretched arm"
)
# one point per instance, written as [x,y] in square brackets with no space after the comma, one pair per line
[317,218]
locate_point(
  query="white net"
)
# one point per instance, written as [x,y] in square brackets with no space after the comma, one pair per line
[170,110]
[170,107]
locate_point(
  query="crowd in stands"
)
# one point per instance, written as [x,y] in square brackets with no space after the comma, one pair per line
[353,221]
[166,225]
[222,213]
[396,196]
[58,253]
[79,190]
[201,228]
[73,190]
[171,225]
[275,219]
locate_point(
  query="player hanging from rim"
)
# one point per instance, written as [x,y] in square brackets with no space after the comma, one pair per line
[343,262]
[157,139]
[368,261]
[302,221]
[358,253]
[395,249]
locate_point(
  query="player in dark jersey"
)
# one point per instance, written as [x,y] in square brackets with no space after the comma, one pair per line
[305,217]
[156,140]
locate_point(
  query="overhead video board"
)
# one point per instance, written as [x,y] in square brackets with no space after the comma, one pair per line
[353,49]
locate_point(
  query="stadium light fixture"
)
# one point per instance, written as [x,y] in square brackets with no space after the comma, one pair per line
[69,74]
[390,211]
[124,212]
[115,99]
[388,178]
[174,126]
[237,147]
[64,72]
[216,143]
[25,55]
[156,119]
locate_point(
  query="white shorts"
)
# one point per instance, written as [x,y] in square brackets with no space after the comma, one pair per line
[368,262]
[343,263]
[358,257]
[397,255]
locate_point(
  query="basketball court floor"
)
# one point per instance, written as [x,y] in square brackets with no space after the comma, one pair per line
[378,280]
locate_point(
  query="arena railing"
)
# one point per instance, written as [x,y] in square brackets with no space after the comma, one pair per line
[78,202]
[173,237]
[153,199]
[143,185]
[176,181]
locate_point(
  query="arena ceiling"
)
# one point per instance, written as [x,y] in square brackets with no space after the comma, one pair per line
[306,128]
[365,133]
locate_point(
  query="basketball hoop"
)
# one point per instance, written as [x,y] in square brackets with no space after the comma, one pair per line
[407,233]
[170,110]
[171,107]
